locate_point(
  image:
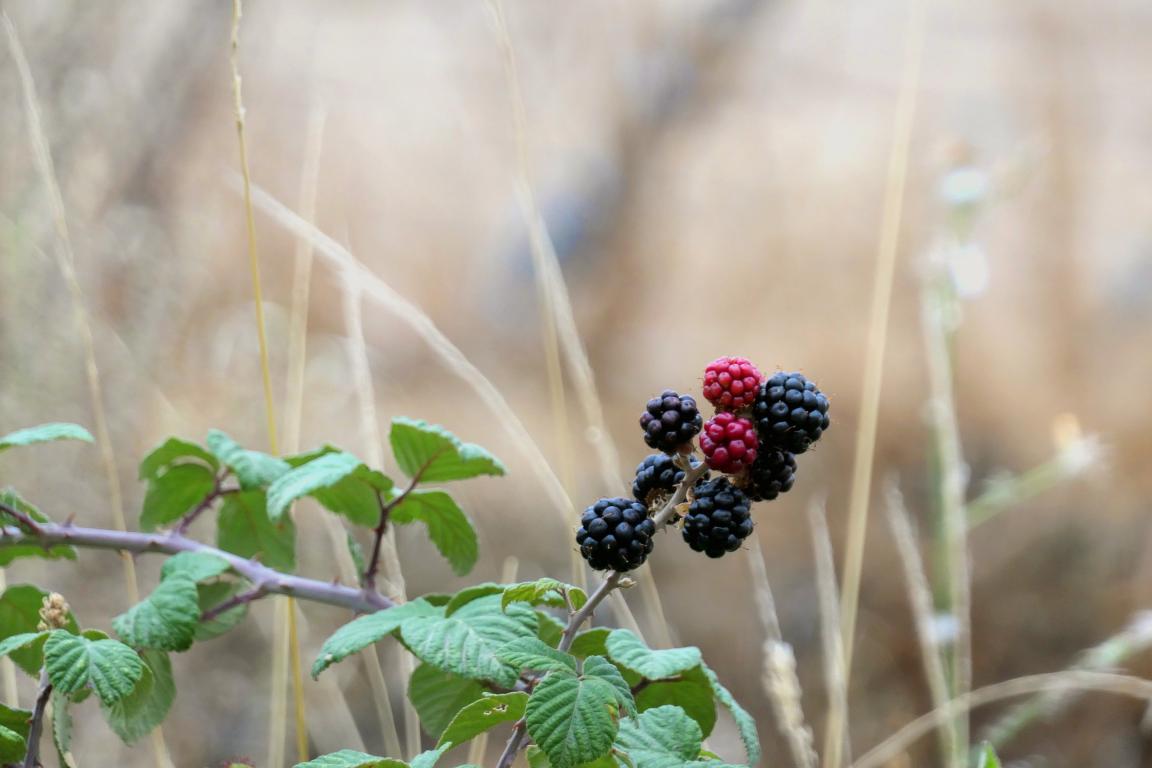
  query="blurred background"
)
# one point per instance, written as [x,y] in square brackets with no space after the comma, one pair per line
[712,174]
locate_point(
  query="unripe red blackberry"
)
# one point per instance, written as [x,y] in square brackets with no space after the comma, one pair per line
[615,534]
[790,412]
[772,474]
[718,519]
[731,383]
[729,443]
[670,420]
[657,478]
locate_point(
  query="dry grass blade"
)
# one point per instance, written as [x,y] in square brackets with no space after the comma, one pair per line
[831,633]
[1052,682]
[920,599]
[874,367]
[374,287]
[779,678]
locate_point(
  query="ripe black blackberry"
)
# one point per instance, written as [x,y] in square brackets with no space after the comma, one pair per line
[790,413]
[670,420]
[770,475]
[718,518]
[657,478]
[615,534]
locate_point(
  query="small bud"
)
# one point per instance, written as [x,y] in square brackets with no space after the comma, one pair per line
[627,583]
[54,613]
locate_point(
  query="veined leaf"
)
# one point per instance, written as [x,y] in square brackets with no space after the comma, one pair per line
[437,455]
[109,667]
[532,653]
[448,527]
[366,630]
[591,642]
[198,566]
[572,719]
[598,667]
[692,692]
[339,481]
[135,715]
[44,433]
[480,716]
[630,651]
[744,721]
[350,758]
[13,746]
[166,620]
[175,451]
[664,737]
[174,493]
[545,592]
[62,728]
[252,468]
[244,528]
[438,695]
[468,594]
[211,595]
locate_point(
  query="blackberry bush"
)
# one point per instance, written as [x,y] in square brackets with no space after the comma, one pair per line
[670,421]
[719,518]
[615,534]
[790,412]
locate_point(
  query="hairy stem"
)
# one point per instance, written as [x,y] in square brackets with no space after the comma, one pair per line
[271,580]
[32,757]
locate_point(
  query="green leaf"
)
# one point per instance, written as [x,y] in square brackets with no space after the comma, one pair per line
[244,528]
[532,653]
[356,552]
[429,758]
[339,481]
[600,668]
[175,451]
[20,614]
[664,737]
[438,695]
[692,693]
[630,651]
[468,594]
[448,527]
[62,728]
[44,433]
[549,629]
[467,641]
[166,620]
[573,719]
[198,566]
[252,468]
[437,455]
[988,758]
[175,493]
[18,720]
[744,722]
[350,758]
[545,592]
[211,595]
[8,554]
[479,716]
[24,640]
[13,746]
[109,667]
[591,642]
[365,630]
[135,715]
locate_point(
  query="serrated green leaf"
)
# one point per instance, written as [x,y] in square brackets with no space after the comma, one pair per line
[988,757]
[175,451]
[252,468]
[19,614]
[549,629]
[479,716]
[23,641]
[537,759]
[692,692]
[600,668]
[13,746]
[468,594]
[630,651]
[15,719]
[591,642]
[177,491]
[111,668]
[744,721]
[339,481]
[429,758]
[44,433]
[350,758]
[244,528]
[467,641]
[135,715]
[62,728]
[166,620]
[438,695]
[211,595]
[665,737]
[437,455]
[532,653]
[448,527]
[198,566]
[573,719]
[366,630]
[8,554]
[545,592]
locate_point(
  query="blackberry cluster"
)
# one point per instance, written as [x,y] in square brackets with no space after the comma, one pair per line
[657,478]
[719,518]
[615,534]
[770,475]
[790,412]
[670,421]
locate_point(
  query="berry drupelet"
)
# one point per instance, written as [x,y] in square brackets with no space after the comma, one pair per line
[729,443]
[731,383]
[615,534]
[718,519]
[790,412]
[670,421]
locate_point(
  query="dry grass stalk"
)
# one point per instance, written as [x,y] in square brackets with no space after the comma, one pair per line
[874,365]
[831,633]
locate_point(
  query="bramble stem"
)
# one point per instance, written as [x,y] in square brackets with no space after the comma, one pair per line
[243,598]
[32,756]
[20,517]
[272,581]
[217,492]
[369,578]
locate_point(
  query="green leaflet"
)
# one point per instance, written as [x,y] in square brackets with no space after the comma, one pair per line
[436,454]
[244,528]
[175,451]
[591,642]
[600,668]
[19,614]
[109,667]
[664,737]
[211,595]
[135,715]
[988,758]
[339,481]
[692,692]
[171,495]
[480,716]
[532,653]
[198,566]
[7,554]
[350,758]
[365,630]
[44,433]
[13,746]
[573,719]
[166,620]
[630,651]
[252,468]
[744,721]
[545,592]
[62,728]
[448,526]
[438,695]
